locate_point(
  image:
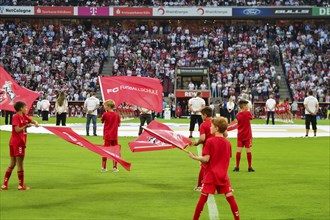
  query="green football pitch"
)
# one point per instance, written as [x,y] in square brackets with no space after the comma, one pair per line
[291,182]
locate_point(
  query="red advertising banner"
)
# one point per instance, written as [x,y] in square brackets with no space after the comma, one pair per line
[54,11]
[191,93]
[126,12]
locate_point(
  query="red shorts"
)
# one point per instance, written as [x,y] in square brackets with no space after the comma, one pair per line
[110,142]
[246,143]
[16,151]
[221,189]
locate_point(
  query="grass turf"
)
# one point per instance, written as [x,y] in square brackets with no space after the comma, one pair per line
[291,182]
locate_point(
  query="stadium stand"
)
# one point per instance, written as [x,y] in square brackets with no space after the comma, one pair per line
[50,58]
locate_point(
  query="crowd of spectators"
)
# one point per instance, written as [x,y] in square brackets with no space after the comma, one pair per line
[178,3]
[49,58]
[237,56]
[306,57]
[240,58]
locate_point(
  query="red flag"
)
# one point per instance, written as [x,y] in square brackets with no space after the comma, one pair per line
[146,142]
[157,136]
[141,91]
[11,92]
[109,152]
[232,126]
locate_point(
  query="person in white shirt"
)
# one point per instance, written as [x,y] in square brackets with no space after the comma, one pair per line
[39,107]
[230,108]
[270,108]
[311,105]
[195,105]
[191,86]
[91,105]
[45,104]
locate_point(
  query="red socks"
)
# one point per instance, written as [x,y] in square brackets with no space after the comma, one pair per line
[20,175]
[249,158]
[7,176]
[200,177]
[200,205]
[238,159]
[233,206]
[104,162]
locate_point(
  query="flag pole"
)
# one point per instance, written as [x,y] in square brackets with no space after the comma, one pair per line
[99,78]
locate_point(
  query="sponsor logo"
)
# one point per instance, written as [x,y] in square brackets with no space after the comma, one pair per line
[124,87]
[190,94]
[73,139]
[200,11]
[321,11]
[187,93]
[132,11]
[93,11]
[7,93]
[57,11]
[251,11]
[291,11]
[114,90]
[161,11]
[8,10]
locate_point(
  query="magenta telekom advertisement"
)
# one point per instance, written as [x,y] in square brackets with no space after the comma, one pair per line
[93,11]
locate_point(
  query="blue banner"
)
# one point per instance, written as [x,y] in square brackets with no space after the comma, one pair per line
[252,12]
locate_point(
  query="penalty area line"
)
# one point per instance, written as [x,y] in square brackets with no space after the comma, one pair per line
[211,204]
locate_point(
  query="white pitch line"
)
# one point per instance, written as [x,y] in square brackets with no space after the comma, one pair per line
[212,206]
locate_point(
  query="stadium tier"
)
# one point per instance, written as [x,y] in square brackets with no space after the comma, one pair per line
[241,52]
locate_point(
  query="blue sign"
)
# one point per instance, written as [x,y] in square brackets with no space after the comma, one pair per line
[252,12]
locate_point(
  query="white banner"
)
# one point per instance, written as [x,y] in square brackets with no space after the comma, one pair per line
[16,10]
[192,12]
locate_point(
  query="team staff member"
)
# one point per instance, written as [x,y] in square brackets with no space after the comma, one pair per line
[311,107]
[195,105]
[270,108]
[91,105]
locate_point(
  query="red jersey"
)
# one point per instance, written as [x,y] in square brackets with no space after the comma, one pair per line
[111,122]
[205,128]
[216,170]
[18,139]
[244,126]
[281,108]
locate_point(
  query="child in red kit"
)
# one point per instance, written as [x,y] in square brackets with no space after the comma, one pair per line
[111,120]
[244,134]
[216,157]
[17,144]
[205,133]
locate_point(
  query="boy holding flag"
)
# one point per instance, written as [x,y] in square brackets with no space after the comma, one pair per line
[111,120]
[205,133]
[17,144]
[216,157]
